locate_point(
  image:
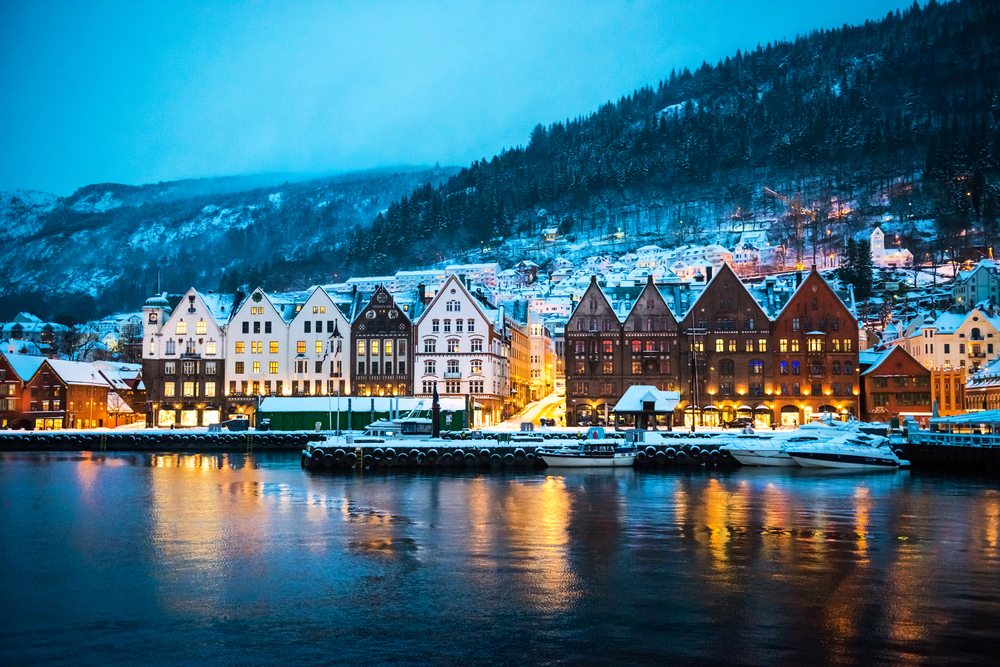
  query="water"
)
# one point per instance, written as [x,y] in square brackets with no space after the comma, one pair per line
[228,559]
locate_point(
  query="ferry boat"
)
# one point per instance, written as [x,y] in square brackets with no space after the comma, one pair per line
[596,451]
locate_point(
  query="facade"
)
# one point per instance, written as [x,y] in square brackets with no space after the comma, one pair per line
[896,385]
[948,388]
[65,394]
[519,363]
[15,371]
[970,340]
[894,257]
[381,352]
[285,345]
[726,341]
[183,365]
[815,355]
[462,346]
[977,286]
[481,274]
[543,363]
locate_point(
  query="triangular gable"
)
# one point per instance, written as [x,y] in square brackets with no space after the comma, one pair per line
[650,294]
[896,355]
[475,302]
[814,278]
[594,305]
[742,298]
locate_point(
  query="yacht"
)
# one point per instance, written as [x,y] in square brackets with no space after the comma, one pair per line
[847,454]
[768,448]
[596,451]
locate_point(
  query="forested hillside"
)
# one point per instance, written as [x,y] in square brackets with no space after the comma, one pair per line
[903,112]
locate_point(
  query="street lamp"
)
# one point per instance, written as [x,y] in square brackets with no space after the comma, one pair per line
[334,348]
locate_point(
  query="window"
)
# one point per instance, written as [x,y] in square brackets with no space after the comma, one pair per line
[452,346]
[795,345]
[579,368]
[847,368]
[435,326]
[636,347]
[201,328]
[815,344]
[817,389]
[307,326]
[300,347]
[232,386]
[836,345]
[834,324]
[210,390]
[795,368]
[170,368]
[453,387]
[609,347]
[756,367]
[719,345]
[246,326]
[847,345]
[947,348]
[256,327]
[189,368]
[795,324]
[238,368]
[848,388]
[210,347]
[256,367]
[209,368]
[835,389]
[430,346]
[267,327]
[762,345]
[796,391]
[749,345]
[429,368]
[608,367]
[152,347]
[476,366]
[726,367]
[168,389]
[470,326]
[822,324]
[447,326]
[319,347]
[189,349]
[458,326]
[816,368]
[725,388]
[636,368]
[783,366]
[835,368]
[182,327]
[453,366]
[319,366]
[189,389]
[453,306]
[783,345]
[807,323]
[240,347]
[650,346]
[256,347]
[477,346]
[732,344]
[272,367]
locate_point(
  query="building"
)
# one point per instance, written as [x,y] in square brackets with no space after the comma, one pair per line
[815,355]
[484,274]
[977,286]
[462,346]
[15,372]
[726,344]
[948,389]
[896,385]
[183,364]
[287,345]
[952,340]
[48,336]
[891,257]
[381,357]
[543,358]
[65,394]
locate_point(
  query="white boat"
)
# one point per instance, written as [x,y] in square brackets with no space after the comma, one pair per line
[595,453]
[405,428]
[849,454]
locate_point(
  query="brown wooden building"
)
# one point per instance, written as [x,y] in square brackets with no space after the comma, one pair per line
[726,338]
[381,351]
[896,385]
[604,356]
[815,355]
[65,394]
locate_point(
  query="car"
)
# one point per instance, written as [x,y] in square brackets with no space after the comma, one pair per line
[739,422]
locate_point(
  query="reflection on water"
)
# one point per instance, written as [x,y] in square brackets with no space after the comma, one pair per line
[228,558]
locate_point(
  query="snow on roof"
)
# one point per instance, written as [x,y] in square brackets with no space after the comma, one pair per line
[78,372]
[948,322]
[638,394]
[219,305]
[23,365]
[882,356]
[357,403]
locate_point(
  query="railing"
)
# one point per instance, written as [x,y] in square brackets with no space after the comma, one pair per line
[452,376]
[977,355]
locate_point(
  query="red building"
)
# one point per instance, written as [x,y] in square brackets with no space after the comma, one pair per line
[65,394]
[815,355]
[15,371]
[896,385]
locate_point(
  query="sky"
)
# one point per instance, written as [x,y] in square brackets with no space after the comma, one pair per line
[134,92]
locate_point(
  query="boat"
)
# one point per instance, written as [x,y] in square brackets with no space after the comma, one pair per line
[596,451]
[848,454]
[404,428]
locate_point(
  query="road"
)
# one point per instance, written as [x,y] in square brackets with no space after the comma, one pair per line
[550,407]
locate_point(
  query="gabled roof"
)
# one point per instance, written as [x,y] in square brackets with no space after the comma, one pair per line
[825,285]
[23,365]
[77,372]
[637,394]
[594,285]
[489,317]
[651,288]
[884,356]
[727,270]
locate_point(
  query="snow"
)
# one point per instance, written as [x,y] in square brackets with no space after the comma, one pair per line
[93,204]
[75,372]
[358,404]
[23,365]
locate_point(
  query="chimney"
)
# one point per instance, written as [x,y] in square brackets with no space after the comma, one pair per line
[708,273]
[677,299]
[421,293]
[354,291]
[798,277]
[769,283]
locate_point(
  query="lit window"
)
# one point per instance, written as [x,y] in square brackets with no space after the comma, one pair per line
[182,327]
[795,345]
[170,368]
[272,367]
[388,347]
[762,345]
[189,389]
[374,347]
[361,348]
[256,367]
[783,345]
[847,345]
[749,345]
[168,389]
[202,327]
[210,347]
[209,389]
[300,347]
[256,347]
[719,345]
[452,346]
[477,366]
[315,309]
[240,347]
[319,347]
[152,347]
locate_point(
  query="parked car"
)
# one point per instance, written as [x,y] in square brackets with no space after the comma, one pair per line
[740,422]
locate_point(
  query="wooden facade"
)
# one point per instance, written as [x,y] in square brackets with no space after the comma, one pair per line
[896,385]
[381,348]
[815,355]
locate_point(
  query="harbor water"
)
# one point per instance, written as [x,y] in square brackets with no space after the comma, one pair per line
[231,559]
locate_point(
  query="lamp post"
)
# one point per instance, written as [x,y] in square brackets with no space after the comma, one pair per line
[335,343]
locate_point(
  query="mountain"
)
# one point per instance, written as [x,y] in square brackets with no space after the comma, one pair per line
[899,117]
[101,249]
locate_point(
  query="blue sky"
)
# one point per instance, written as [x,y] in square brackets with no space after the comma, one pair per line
[139,92]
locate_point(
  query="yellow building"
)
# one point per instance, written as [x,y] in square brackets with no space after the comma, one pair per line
[948,389]
[520,366]
[543,359]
